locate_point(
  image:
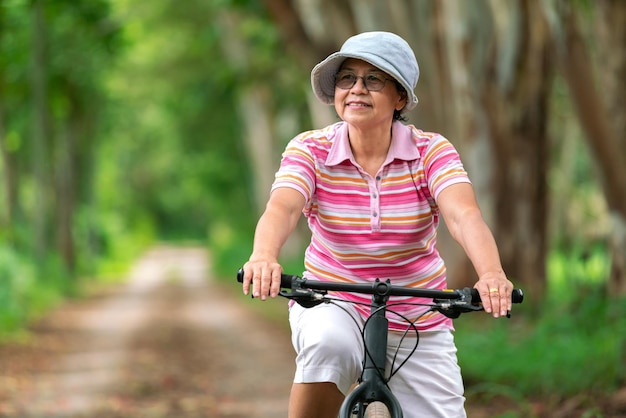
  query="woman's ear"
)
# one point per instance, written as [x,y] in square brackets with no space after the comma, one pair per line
[402,100]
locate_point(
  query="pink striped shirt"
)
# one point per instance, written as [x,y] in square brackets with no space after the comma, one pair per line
[366,227]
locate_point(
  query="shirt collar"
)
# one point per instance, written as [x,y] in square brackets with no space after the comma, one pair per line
[402,145]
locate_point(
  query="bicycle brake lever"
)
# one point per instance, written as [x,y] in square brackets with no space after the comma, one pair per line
[304,297]
[453,310]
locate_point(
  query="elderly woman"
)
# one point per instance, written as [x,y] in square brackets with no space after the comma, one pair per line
[372,190]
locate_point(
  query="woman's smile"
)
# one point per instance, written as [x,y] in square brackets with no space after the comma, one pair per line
[357,104]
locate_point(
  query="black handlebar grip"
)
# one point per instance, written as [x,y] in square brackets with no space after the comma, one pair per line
[285,279]
[517,296]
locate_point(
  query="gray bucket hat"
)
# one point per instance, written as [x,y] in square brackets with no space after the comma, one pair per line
[384,50]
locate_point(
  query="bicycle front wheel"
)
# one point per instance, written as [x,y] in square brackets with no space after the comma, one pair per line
[377,410]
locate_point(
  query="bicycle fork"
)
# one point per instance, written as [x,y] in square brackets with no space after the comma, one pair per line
[373,385]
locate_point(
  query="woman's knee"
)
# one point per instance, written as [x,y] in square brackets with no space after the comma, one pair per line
[335,341]
[325,329]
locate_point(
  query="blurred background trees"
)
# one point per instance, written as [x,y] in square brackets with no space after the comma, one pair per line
[125,122]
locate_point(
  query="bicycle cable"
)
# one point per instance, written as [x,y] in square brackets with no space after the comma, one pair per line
[411,326]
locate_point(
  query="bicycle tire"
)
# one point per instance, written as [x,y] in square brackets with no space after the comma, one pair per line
[377,410]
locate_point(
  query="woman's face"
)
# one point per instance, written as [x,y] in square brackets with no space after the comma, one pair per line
[358,104]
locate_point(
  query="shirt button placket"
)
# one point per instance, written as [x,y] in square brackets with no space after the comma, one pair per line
[375,206]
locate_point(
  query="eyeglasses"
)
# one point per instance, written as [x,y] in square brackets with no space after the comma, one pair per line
[373,82]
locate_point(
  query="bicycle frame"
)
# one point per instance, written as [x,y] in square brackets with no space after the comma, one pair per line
[372,386]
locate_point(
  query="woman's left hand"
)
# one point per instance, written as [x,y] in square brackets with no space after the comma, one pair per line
[495,293]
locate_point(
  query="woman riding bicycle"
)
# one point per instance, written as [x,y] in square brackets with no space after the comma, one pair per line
[372,189]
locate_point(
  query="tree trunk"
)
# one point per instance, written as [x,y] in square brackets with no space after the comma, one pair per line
[255,110]
[600,111]
[255,104]
[66,192]
[492,77]
[516,104]
[9,175]
[456,46]
[7,163]
[40,133]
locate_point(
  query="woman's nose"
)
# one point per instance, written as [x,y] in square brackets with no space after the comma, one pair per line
[359,85]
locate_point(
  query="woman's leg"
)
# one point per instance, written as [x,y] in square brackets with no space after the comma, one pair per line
[314,400]
[429,385]
[329,358]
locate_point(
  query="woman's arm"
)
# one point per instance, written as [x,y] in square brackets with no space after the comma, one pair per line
[280,218]
[466,225]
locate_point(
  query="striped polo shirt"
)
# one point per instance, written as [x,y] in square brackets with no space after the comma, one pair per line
[365,227]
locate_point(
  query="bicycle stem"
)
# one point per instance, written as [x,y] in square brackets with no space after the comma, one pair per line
[378,325]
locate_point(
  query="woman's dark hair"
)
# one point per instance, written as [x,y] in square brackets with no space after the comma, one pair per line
[397,115]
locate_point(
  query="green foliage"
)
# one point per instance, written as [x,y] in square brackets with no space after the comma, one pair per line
[579,213]
[175,151]
[16,277]
[119,244]
[229,260]
[574,344]
[28,290]
[22,295]
[78,43]
[230,249]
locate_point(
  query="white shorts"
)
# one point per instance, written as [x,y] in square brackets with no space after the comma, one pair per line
[329,348]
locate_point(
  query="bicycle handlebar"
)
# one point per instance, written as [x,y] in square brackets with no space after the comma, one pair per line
[296,282]
[450,303]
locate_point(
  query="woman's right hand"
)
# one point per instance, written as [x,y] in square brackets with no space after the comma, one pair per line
[261,274]
[262,277]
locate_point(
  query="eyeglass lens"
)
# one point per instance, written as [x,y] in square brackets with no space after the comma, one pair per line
[346,80]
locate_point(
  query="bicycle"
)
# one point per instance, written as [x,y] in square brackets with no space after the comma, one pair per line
[372,398]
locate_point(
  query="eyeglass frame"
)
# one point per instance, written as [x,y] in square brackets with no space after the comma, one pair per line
[356,78]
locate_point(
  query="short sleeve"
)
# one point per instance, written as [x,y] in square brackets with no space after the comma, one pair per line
[443,166]
[297,169]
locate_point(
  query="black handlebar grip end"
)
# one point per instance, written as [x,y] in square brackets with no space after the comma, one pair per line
[240,275]
[475,295]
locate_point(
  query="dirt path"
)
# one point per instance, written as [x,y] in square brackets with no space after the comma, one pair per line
[167,344]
